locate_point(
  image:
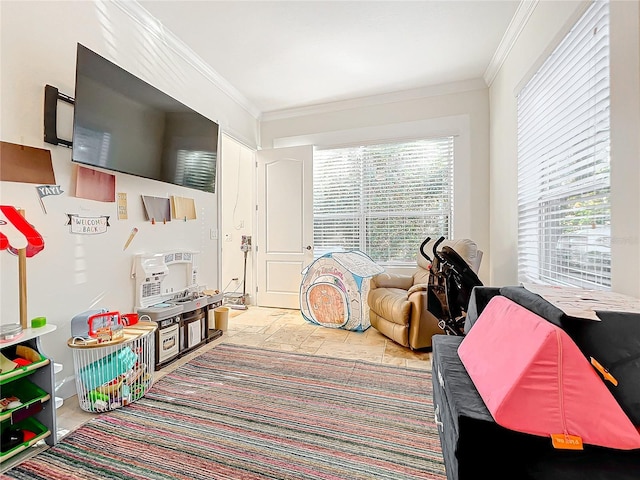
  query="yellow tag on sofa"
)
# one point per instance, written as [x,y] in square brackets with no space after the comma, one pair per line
[605,373]
[566,442]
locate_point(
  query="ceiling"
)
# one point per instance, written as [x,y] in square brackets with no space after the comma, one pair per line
[282,55]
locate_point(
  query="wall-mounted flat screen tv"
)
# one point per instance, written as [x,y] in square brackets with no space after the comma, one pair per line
[123,124]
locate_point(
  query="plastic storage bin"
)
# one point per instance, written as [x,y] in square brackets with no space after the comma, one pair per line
[30,396]
[37,432]
[113,374]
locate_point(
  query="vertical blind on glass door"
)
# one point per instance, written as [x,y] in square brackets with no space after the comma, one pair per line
[383,199]
[563,161]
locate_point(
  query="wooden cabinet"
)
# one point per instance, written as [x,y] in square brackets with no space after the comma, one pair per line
[34,386]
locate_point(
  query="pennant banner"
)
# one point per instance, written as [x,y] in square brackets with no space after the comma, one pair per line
[46,190]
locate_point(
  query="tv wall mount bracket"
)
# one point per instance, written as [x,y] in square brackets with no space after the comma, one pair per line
[51,98]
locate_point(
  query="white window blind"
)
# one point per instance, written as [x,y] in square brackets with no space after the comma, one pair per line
[563,161]
[383,199]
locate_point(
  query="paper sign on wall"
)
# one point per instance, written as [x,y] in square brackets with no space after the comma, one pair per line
[94,185]
[122,206]
[25,164]
[157,209]
[45,191]
[183,208]
[84,225]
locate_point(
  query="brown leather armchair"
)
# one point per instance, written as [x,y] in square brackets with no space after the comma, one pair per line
[398,306]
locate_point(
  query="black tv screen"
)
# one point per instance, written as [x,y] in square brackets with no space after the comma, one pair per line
[123,124]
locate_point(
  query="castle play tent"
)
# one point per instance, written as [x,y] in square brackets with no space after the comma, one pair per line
[334,290]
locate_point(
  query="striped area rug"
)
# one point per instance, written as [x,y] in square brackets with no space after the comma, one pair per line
[247,413]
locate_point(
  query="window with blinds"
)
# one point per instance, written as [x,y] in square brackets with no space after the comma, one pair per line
[383,199]
[564,230]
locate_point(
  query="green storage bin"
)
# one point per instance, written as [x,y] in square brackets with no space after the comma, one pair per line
[20,372]
[26,391]
[30,424]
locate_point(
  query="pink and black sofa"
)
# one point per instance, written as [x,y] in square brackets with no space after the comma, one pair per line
[532,393]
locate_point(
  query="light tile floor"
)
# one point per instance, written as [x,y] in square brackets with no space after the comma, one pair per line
[285,330]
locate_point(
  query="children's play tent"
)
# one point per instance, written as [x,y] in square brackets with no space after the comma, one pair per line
[334,290]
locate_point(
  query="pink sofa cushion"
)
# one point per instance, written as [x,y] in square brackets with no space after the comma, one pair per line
[535,380]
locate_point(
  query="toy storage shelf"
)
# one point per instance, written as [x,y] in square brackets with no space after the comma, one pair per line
[110,375]
[34,385]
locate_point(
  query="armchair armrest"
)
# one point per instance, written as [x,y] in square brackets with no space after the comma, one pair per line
[418,287]
[392,280]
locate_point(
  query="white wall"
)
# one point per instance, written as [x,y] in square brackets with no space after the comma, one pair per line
[625,147]
[76,272]
[238,215]
[548,24]
[457,109]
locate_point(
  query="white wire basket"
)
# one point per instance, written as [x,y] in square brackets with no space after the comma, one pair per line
[111,375]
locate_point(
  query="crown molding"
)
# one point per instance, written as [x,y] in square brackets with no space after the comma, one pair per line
[517,24]
[372,100]
[154,27]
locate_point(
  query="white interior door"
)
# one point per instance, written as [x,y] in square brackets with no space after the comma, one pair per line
[285,224]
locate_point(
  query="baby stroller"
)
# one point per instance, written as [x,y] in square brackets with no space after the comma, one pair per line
[449,288]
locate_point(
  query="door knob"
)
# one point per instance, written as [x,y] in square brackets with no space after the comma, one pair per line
[308,247]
